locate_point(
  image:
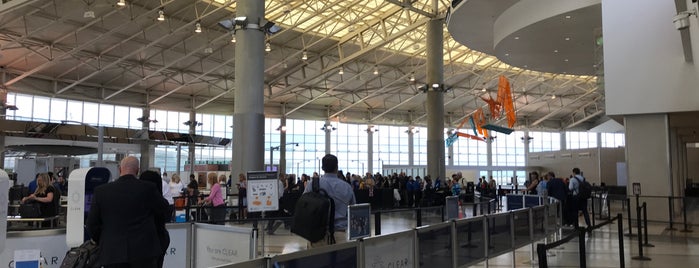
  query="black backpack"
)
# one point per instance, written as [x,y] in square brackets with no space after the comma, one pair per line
[584,189]
[314,215]
[83,256]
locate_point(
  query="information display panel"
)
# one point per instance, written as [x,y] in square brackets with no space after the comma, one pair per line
[359,223]
[263,191]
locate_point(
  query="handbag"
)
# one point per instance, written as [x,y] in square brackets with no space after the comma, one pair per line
[30,210]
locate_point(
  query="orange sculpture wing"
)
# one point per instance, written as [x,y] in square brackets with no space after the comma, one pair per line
[506,100]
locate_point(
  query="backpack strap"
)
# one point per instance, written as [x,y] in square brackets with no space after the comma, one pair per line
[330,236]
[315,185]
[577,191]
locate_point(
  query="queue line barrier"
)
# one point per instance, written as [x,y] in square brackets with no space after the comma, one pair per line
[452,243]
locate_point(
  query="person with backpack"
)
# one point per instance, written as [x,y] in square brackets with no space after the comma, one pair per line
[580,190]
[342,196]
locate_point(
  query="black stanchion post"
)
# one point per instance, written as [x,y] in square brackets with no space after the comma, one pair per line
[475,211]
[442,212]
[620,227]
[489,212]
[419,217]
[628,214]
[541,253]
[645,227]
[684,217]
[669,211]
[640,256]
[377,223]
[581,247]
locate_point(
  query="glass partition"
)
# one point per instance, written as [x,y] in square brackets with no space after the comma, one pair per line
[552,213]
[522,227]
[470,241]
[539,221]
[343,255]
[499,234]
[435,245]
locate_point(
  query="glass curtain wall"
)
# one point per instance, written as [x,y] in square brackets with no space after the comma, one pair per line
[349,141]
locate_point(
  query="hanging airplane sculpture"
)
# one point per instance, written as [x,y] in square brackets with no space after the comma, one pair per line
[479,122]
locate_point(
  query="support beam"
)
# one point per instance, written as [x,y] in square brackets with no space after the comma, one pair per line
[435,99]
[592,115]
[186,26]
[355,55]
[248,111]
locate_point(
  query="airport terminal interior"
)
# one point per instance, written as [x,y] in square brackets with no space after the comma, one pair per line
[418,99]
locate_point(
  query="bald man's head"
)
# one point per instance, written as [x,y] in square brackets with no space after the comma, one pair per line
[129,165]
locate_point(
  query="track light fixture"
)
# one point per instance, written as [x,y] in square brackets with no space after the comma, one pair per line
[341,71]
[376,70]
[195,123]
[233,38]
[328,127]
[121,3]
[304,56]
[412,77]
[145,119]
[268,47]
[197,27]
[161,15]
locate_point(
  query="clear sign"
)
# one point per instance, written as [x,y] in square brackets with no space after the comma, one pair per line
[636,188]
[358,224]
[263,191]
[390,251]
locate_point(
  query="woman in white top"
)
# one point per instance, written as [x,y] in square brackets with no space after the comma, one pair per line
[176,185]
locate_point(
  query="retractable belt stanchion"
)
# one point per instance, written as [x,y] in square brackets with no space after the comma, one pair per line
[645,227]
[620,227]
[640,256]
[670,211]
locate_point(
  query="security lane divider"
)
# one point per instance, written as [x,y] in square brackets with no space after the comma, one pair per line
[542,248]
[454,243]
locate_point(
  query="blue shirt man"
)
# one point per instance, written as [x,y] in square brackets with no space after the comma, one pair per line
[341,193]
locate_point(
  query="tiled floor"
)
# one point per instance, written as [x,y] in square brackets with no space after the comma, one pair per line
[672,248]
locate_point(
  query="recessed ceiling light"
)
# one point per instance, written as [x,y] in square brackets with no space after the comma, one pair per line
[516,37]
[555,51]
[568,17]
[553,97]
[567,38]
[526,66]
[566,60]
[507,54]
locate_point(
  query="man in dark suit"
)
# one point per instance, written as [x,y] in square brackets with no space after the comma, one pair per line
[122,219]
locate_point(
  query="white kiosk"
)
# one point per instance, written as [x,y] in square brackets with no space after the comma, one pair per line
[4,199]
[82,185]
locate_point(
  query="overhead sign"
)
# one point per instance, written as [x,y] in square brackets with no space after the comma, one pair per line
[263,191]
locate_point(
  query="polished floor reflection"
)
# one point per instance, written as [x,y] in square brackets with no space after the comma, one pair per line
[672,248]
